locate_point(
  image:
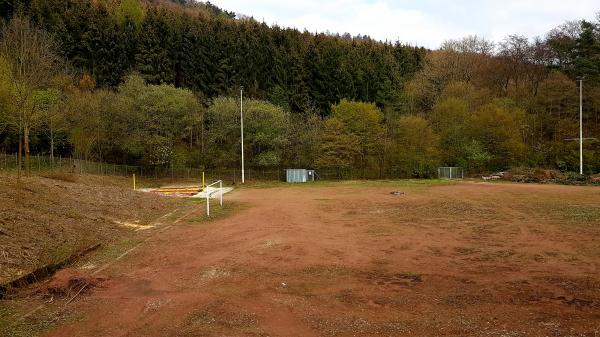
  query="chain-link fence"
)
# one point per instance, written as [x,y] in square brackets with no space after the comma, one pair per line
[43,163]
[450,173]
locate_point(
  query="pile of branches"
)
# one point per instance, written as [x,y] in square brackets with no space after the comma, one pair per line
[544,176]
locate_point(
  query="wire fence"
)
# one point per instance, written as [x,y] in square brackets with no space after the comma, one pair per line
[40,164]
[43,164]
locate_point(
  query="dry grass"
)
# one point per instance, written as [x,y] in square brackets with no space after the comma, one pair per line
[46,219]
[62,176]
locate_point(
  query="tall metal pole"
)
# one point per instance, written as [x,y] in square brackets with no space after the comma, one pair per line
[581,126]
[242,128]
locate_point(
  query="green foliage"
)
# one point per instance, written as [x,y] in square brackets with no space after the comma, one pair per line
[475,156]
[304,132]
[353,136]
[152,84]
[87,119]
[587,52]
[47,99]
[415,151]
[209,51]
[6,96]
[265,132]
[476,135]
[337,147]
[150,120]
[497,127]
[130,10]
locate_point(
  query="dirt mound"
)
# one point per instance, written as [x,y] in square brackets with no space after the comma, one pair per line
[68,283]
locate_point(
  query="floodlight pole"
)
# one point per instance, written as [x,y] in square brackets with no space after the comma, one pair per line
[242,128]
[581,126]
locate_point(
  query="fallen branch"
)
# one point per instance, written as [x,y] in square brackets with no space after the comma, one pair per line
[79,292]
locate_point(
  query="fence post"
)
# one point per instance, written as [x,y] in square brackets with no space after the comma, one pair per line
[221,190]
[207,203]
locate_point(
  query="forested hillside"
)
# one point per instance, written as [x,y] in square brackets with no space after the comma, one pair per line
[205,50]
[157,83]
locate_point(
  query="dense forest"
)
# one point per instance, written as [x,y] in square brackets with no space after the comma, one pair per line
[157,83]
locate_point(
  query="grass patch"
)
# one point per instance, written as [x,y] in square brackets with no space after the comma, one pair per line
[355,326]
[109,252]
[216,211]
[214,319]
[558,210]
[352,183]
[11,324]
[56,254]
[62,176]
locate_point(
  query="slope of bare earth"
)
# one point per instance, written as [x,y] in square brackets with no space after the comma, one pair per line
[45,220]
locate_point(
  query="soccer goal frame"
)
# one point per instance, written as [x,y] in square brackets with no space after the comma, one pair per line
[451,173]
[208,193]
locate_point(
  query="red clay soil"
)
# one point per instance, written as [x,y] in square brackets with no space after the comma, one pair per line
[457,260]
[70,283]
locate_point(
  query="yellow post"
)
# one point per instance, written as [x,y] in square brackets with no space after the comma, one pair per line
[202,180]
[134,181]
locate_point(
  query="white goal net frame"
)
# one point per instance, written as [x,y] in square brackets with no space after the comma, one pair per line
[451,173]
[209,190]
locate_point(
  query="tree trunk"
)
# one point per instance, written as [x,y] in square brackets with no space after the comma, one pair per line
[51,146]
[26,143]
[20,154]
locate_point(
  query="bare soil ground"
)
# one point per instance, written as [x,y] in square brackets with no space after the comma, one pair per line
[467,259]
[45,220]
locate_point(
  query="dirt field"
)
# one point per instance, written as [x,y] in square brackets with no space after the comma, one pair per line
[469,259]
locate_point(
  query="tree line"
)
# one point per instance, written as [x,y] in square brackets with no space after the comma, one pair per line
[157,84]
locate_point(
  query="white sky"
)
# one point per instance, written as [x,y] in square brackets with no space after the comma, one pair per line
[418,22]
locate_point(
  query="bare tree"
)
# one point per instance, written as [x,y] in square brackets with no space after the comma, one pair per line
[471,44]
[48,104]
[30,53]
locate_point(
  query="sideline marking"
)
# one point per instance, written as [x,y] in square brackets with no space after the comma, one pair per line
[144,241]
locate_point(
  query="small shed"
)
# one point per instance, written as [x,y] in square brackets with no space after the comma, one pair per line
[299,175]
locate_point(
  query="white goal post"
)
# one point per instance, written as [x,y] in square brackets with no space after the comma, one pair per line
[451,173]
[208,193]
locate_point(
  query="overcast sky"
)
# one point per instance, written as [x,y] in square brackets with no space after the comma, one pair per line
[421,22]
